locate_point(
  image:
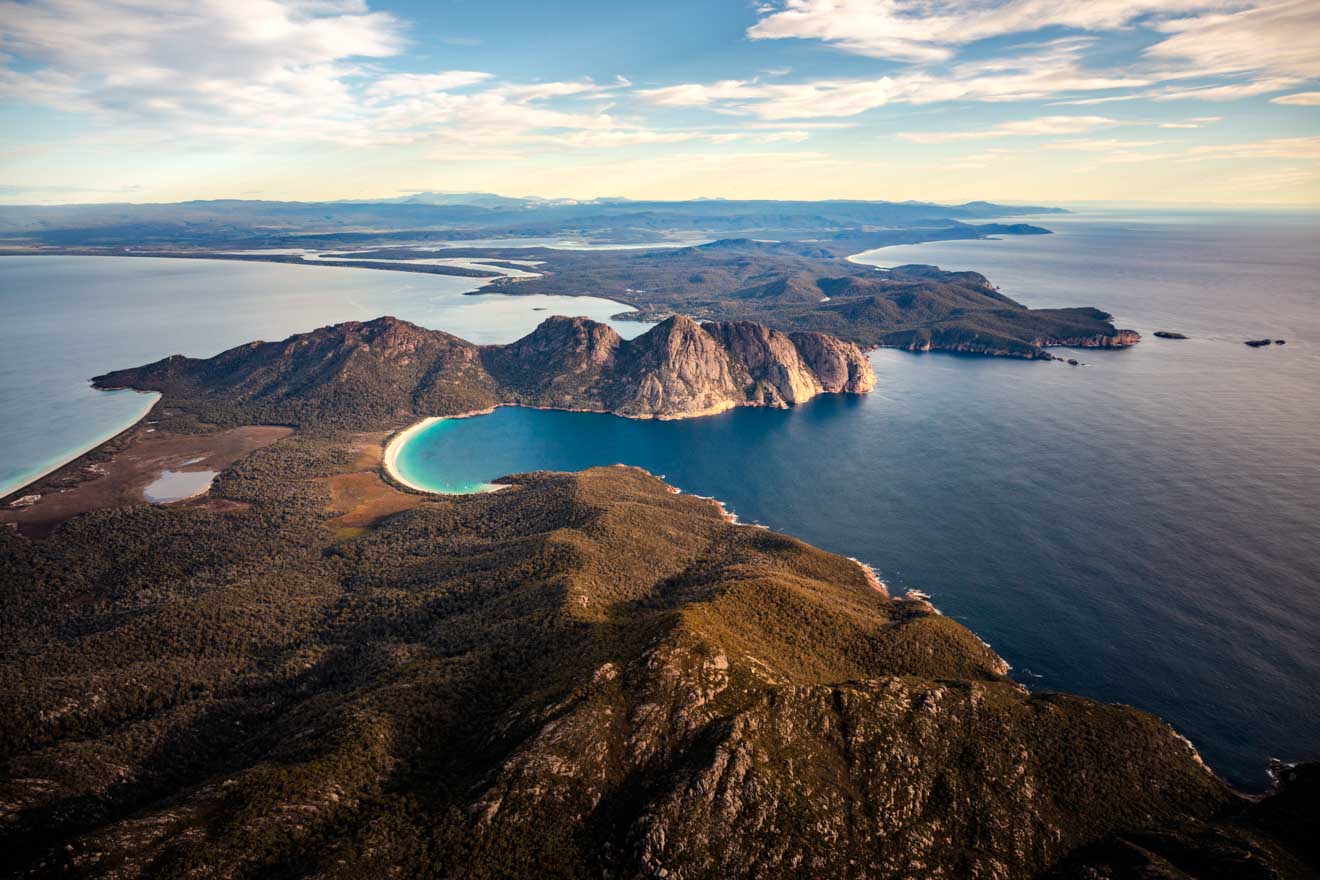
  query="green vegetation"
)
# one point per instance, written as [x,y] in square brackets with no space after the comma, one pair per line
[811,286]
[580,675]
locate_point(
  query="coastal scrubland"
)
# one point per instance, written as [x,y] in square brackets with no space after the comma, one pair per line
[580,675]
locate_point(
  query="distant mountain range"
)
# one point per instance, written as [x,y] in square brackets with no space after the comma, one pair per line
[255,223]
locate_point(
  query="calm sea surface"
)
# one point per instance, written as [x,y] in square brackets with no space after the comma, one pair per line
[66,319]
[1144,529]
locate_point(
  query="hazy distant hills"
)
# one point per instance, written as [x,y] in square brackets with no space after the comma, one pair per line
[199,222]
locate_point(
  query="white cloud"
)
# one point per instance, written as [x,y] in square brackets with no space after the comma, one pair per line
[922,30]
[401,85]
[619,137]
[263,71]
[283,67]
[1226,92]
[1036,72]
[1101,145]
[1044,125]
[1206,37]
[1263,35]
[1245,48]
[1195,122]
[1299,99]
[1269,148]
[702,95]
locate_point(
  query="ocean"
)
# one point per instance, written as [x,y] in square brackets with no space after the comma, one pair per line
[1142,529]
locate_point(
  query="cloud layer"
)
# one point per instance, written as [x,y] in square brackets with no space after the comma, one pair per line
[1119,81]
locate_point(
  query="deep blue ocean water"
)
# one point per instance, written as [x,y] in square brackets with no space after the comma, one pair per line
[1144,529]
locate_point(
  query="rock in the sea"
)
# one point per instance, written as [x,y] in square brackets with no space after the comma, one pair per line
[1280,342]
[1169,334]
[1259,343]
[1072,362]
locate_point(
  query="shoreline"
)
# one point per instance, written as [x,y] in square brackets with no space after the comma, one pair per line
[393,446]
[389,460]
[92,447]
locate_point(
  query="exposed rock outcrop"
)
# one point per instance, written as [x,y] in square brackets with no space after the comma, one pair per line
[676,369]
[773,360]
[838,364]
[362,374]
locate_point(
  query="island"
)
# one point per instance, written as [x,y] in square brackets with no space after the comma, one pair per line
[1169,334]
[581,675]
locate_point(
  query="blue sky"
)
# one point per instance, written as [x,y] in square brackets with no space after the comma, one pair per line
[1189,101]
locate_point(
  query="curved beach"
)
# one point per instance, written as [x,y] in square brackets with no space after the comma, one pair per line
[399,440]
[396,443]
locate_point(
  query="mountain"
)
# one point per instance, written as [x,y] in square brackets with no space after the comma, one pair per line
[478,199]
[360,374]
[584,675]
[253,223]
[812,286]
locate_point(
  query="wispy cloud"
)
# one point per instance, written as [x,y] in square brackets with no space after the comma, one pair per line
[1195,122]
[917,30]
[1101,145]
[1269,148]
[1299,99]
[1209,36]
[401,85]
[1044,125]
[1039,72]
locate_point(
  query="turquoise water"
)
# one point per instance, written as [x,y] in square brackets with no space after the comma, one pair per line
[1144,529]
[66,319]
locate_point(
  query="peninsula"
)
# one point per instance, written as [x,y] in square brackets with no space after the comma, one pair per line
[780,263]
[312,672]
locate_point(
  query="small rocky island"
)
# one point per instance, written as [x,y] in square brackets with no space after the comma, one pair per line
[1169,334]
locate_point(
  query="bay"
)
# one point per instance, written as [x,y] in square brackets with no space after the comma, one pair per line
[1142,529]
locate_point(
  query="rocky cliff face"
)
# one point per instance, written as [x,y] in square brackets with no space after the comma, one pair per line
[771,359]
[676,368]
[361,374]
[840,366]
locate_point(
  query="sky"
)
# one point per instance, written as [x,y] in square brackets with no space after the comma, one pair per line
[1040,101]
